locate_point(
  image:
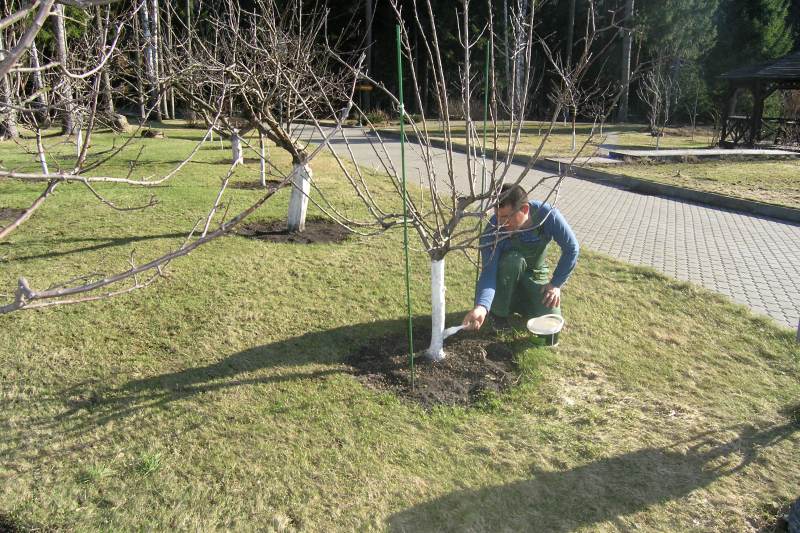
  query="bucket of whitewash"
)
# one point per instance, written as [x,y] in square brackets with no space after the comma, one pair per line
[546,328]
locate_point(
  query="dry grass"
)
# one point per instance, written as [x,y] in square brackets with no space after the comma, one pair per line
[772,182]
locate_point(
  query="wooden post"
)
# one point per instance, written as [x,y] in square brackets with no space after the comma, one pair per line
[728,109]
[758,112]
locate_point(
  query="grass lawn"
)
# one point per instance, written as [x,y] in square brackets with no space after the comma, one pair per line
[217,399]
[773,182]
[559,143]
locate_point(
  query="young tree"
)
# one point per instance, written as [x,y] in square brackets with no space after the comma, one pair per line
[659,91]
[460,200]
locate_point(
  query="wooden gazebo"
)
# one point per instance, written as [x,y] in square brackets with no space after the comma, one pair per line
[761,80]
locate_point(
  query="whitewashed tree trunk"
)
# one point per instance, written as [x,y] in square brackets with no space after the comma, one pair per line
[236,147]
[574,141]
[436,350]
[40,152]
[263,160]
[298,201]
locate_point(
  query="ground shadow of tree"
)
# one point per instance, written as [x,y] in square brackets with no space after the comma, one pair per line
[88,405]
[600,491]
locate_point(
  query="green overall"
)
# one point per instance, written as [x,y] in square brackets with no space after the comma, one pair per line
[521,274]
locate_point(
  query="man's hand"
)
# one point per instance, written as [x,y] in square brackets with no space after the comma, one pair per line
[552,295]
[474,319]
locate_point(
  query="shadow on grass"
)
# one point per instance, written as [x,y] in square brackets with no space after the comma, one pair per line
[286,360]
[102,243]
[604,490]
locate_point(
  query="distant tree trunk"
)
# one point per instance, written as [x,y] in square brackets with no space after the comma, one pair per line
[520,67]
[368,23]
[158,47]
[69,119]
[262,167]
[190,114]
[627,45]
[170,44]
[507,54]
[149,59]
[570,32]
[42,116]
[8,115]
[106,98]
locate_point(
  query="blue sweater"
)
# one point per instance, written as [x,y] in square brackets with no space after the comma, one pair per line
[554,228]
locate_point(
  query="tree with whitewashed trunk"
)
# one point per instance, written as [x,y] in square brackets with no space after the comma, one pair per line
[270,64]
[461,196]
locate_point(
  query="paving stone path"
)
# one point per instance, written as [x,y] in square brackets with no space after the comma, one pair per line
[753,260]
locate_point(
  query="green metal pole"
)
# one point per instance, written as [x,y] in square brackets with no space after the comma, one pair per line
[483,175]
[405,203]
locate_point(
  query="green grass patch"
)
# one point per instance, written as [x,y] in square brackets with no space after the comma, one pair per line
[217,398]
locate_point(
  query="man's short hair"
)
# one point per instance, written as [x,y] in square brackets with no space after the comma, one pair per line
[512,195]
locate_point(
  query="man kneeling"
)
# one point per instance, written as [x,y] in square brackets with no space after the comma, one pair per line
[513,249]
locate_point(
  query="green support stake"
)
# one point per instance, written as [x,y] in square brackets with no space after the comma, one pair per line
[483,175]
[405,203]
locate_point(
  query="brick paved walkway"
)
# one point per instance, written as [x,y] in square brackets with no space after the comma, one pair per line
[755,261]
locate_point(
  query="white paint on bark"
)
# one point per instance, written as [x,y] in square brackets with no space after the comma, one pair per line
[236,147]
[298,201]
[435,350]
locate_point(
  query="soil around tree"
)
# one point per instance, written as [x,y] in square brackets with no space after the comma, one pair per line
[10,213]
[318,231]
[473,366]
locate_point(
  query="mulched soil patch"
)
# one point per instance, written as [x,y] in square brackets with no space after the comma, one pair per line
[473,366]
[10,213]
[253,185]
[317,231]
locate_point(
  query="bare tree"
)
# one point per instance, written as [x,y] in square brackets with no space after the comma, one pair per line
[272,65]
[569,89]
[659,91]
